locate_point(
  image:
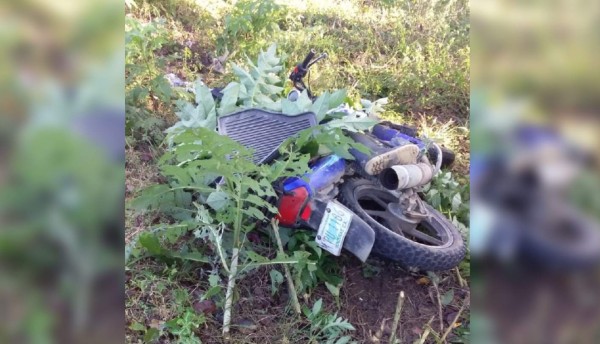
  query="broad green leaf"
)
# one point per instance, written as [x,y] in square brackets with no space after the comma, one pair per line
[304,103]
[193,256]
[205,99]
[316,309]
[213,280]
[337,98]
[321,106]
[136,326]
[289,107]
[180,175]
[260,85]
[352,123]
[333,289]
[211,292]
[202,115]
[344,340]
[456,202]
[254,212]
[218,200]
[152,197]
[284,235]
[374,108]
[277,260]
[151,335]
[150,242]
[276,280]
[447,298]
[230,97]
[256,257]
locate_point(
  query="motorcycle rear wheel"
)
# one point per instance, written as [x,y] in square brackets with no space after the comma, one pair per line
[435,245]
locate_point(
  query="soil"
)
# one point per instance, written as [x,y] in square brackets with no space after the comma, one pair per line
[368,301]
[532,305]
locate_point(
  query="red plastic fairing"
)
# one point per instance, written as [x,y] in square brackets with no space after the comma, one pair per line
[291,206]
[306,213]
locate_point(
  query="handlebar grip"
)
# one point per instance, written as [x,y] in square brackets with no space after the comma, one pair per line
[307,59]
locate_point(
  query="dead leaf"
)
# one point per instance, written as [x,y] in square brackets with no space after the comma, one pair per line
[423,281]
[206,307]
[246,326]
[416,330]
[157,324]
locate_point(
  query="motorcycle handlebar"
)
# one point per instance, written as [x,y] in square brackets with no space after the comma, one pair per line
[307,59]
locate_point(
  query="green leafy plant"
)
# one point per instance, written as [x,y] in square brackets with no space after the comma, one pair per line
[260,86]
[186,325]
[448,195]
[177,318]
[326,328]
[203,114]
[248,22]
[451,197]
[146,90]
[196,159]
[318,267]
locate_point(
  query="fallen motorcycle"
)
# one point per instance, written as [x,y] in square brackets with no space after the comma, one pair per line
[521,211]
[369,205]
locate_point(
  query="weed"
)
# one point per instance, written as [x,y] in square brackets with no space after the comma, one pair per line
[147,90]
[186,325]
[326,328]
[248,22]
[414,53]
[323,268]
[445,193]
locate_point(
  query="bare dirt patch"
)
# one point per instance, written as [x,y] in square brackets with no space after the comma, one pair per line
[367,299]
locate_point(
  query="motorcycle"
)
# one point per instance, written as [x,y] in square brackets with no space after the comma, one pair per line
[520,211]
[365,213]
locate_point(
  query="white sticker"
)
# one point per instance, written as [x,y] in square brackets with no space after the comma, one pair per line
[334,227]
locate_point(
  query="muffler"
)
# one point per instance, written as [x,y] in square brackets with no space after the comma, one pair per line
[400,177]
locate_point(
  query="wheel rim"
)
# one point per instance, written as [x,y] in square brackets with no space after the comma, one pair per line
[373,203]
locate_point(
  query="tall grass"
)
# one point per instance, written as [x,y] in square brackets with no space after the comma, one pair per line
[416,53]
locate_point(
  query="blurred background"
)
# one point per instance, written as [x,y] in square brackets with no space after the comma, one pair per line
[61,171]
[535,237]
[535,100]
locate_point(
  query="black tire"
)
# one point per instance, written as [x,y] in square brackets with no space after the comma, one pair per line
[448,156]
[396,247]
[571,241]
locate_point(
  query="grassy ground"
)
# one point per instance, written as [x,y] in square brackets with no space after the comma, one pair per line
[413,52]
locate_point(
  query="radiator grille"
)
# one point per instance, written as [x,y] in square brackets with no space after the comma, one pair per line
[263,131]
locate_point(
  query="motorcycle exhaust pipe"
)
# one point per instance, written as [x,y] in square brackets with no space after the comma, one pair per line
[400,177]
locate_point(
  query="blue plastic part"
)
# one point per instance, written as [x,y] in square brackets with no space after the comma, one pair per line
[394,137]
[531,135]
[325,172]
[292,183]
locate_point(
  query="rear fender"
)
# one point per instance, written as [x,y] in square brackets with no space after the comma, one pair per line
[360,237]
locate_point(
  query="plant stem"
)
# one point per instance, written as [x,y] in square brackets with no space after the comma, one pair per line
[447,332]
[286,269]
[238,217]
[234,262]
[427,331]
[461,281]
[439,302]
[218,242]
[397,316]
[229,294]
